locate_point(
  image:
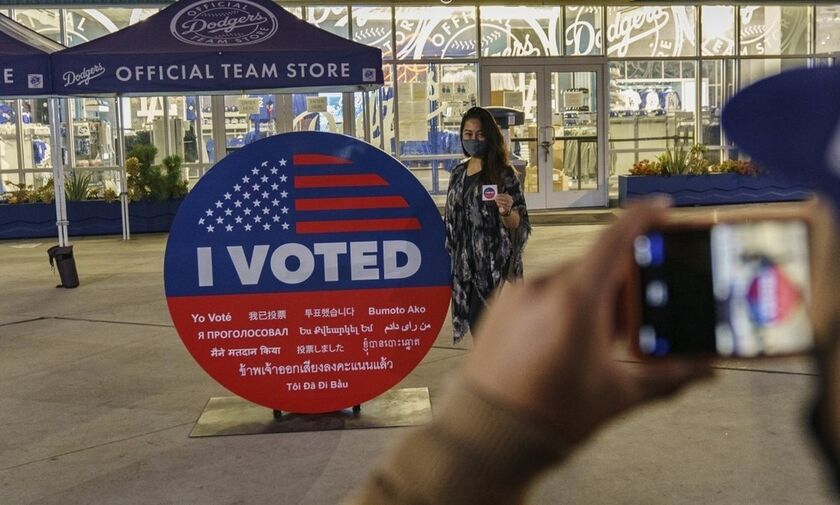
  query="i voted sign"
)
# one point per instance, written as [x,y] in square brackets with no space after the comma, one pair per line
[307,272]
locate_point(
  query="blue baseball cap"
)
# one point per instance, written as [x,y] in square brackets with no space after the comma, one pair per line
[790,124]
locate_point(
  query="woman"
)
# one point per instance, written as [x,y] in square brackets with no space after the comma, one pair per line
[484,238]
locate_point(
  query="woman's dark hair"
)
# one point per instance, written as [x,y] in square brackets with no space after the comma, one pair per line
[495,160]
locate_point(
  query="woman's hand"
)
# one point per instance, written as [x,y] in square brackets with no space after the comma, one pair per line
[505,203]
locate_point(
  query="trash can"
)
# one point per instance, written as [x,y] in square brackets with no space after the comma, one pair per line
[62,259]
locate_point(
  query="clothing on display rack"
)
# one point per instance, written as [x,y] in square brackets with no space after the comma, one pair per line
[40,151]
[580,156]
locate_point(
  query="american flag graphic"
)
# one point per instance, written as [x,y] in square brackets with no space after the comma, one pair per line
[286,195]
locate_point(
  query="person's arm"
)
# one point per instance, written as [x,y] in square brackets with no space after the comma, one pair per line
[541,378]
[476,451]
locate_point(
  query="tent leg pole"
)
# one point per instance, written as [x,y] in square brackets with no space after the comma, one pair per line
[57,160]
[366,114]
[126,224]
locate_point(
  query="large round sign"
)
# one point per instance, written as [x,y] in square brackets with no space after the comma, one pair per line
[307,272]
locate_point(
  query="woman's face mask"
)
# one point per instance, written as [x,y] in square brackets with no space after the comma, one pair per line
[475,147]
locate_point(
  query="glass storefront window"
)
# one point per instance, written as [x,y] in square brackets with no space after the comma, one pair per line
[435,32]
[432,99]
[583,33]
[44,21]
[331,19]
[520,31]
[718,25]
[84,25]
[318,112]
[774,30]
[94,132]
[651,31]
[380,113]
[828,29]
[719,85]
[37,142]
[753,70]
[372,27]
[652,107]
[9,164]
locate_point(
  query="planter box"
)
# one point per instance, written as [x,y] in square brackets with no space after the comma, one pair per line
[715,189]
[90,217]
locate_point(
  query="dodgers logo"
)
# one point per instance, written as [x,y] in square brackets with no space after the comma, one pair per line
[35,81]
[83,77]
[223,23]
[307,272]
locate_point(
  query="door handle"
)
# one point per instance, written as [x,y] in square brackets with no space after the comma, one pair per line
[547,144]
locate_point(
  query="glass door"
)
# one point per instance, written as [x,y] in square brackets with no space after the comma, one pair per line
[559,150]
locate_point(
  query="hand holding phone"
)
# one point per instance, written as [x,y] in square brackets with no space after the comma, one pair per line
[734,287]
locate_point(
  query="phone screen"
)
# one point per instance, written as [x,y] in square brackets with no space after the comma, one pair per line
[735,289]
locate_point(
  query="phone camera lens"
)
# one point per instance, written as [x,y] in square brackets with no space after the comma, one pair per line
[656,293]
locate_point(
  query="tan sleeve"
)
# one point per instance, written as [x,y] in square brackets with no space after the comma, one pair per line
[473,452]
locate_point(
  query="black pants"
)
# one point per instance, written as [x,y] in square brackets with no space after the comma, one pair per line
[476,308]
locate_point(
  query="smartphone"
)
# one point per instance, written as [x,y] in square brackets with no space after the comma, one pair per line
[738,287]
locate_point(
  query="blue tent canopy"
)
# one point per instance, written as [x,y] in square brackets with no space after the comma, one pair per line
[24,60]
[207,46]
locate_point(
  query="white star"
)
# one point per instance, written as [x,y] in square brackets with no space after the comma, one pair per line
[257,203]
[247,227]
[201,221]
[247,212]
[237,204]
[209,212]
[246,179]
[257,219]
[220,220]
[273,170]
[237,187]
[275,218]
[246,195]
[283,178]
[264,178]
[275,186]
[266,210]
[283,162]
[265,194]
[228,212]
[275,202]
[285,226]
[229,227]
[285,210]
[283,194]
[227,196]
[238,219]
[210,228]
[264,163]
[255,170]
[218,204]
[266,226]
[256,187]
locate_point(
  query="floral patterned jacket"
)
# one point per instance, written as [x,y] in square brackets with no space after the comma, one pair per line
[480,247]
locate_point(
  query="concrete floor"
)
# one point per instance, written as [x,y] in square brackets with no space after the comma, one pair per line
[98,396]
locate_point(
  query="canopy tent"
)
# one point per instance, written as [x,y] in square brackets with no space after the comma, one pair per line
[206,46]
[25,72]
[214,47]
[25,66]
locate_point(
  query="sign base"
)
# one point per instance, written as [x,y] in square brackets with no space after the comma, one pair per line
[232,415]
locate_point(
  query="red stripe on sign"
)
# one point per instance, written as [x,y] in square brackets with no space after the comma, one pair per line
[357,225]
[360,202]
[318,159]
[334,181]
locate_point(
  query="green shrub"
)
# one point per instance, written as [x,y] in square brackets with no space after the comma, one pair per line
[77,187]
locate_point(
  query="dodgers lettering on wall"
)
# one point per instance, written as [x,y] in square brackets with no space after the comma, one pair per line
[307,272]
